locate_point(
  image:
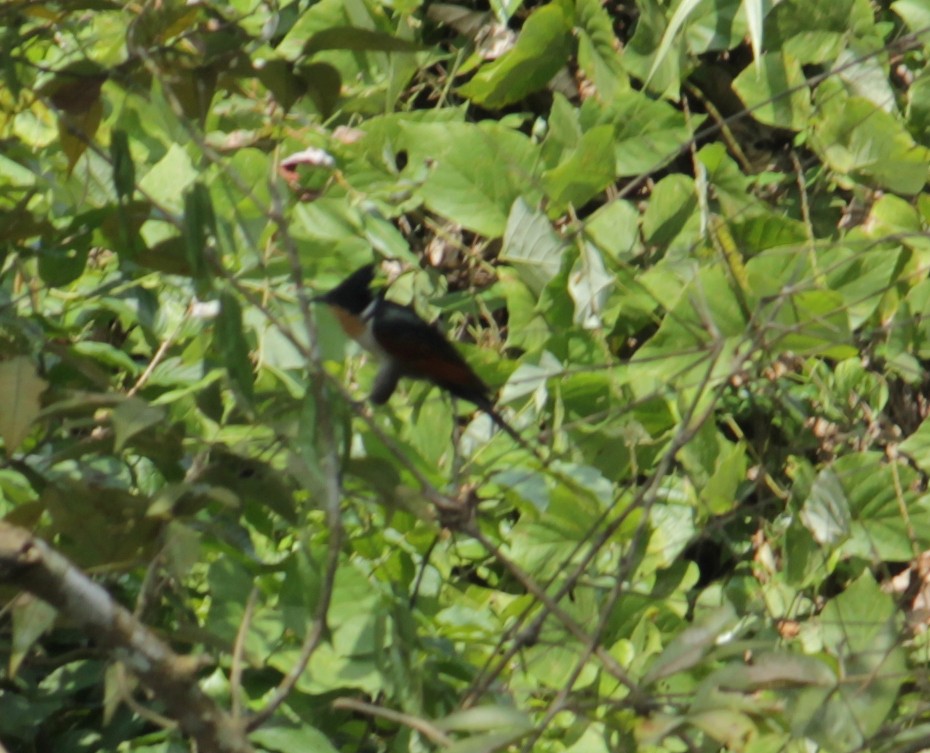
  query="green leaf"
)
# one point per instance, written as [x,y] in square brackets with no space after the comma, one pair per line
[199,230]
[532,246]
[775,91]
[915,14]
[672,206]
[719,494]
[864,143]
[283,81]
[614,229]
[62,264]
[540,52]
[826,511]
[478,172]
[169,256]
[682,12]
[861,629]
[359,40]
[323,83]
[229,341]
[889,518]
[21,387]
[649,133]
[703,316]
[108,355]
[598,49]
[812,322]
[770,670]
[917,446]
[766,231]
[692,644]
[487,743]
[734,730]
[861,277]
[485,718]
[589,285]
[32,618]
[131,417]
[124,171]
[587,171]
[865,75]
[284,737]
[166,181]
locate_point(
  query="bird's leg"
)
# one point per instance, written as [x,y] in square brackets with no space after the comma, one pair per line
[385,382]
[456,436]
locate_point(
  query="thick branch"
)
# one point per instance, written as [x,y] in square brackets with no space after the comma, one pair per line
[31,564]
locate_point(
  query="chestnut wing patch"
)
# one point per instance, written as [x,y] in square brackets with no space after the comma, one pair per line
[422,352]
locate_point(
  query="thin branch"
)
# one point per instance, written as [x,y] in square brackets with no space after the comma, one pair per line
[156,359]
[30,563]
[329,465]
[137,708]
[312,639]
[235,673]
[422,726]
[568,622]
[441,501]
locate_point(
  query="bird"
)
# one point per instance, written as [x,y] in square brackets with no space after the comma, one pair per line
[406,346]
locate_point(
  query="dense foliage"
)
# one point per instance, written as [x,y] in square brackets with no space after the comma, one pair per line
[686,241]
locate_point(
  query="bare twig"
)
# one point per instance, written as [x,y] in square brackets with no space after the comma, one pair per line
[312,639]
[156,359]
[611,665]
[235,673]
[329,465]
[422,726]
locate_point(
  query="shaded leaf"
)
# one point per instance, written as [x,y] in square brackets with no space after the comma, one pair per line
[20,388]
[32,618]
[77,129]
[133,416]
[230,343]
[124,171]
[199,230]
[690,646]
[323,83]
[360,40]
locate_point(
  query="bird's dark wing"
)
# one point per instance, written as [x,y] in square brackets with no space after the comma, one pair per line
[423,352]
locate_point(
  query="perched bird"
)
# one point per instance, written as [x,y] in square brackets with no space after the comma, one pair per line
[405,345]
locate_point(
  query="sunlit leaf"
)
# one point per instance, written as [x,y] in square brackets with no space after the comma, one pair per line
[541,50]
[532,246]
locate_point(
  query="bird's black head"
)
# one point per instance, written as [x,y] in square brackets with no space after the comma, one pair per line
[354,293]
